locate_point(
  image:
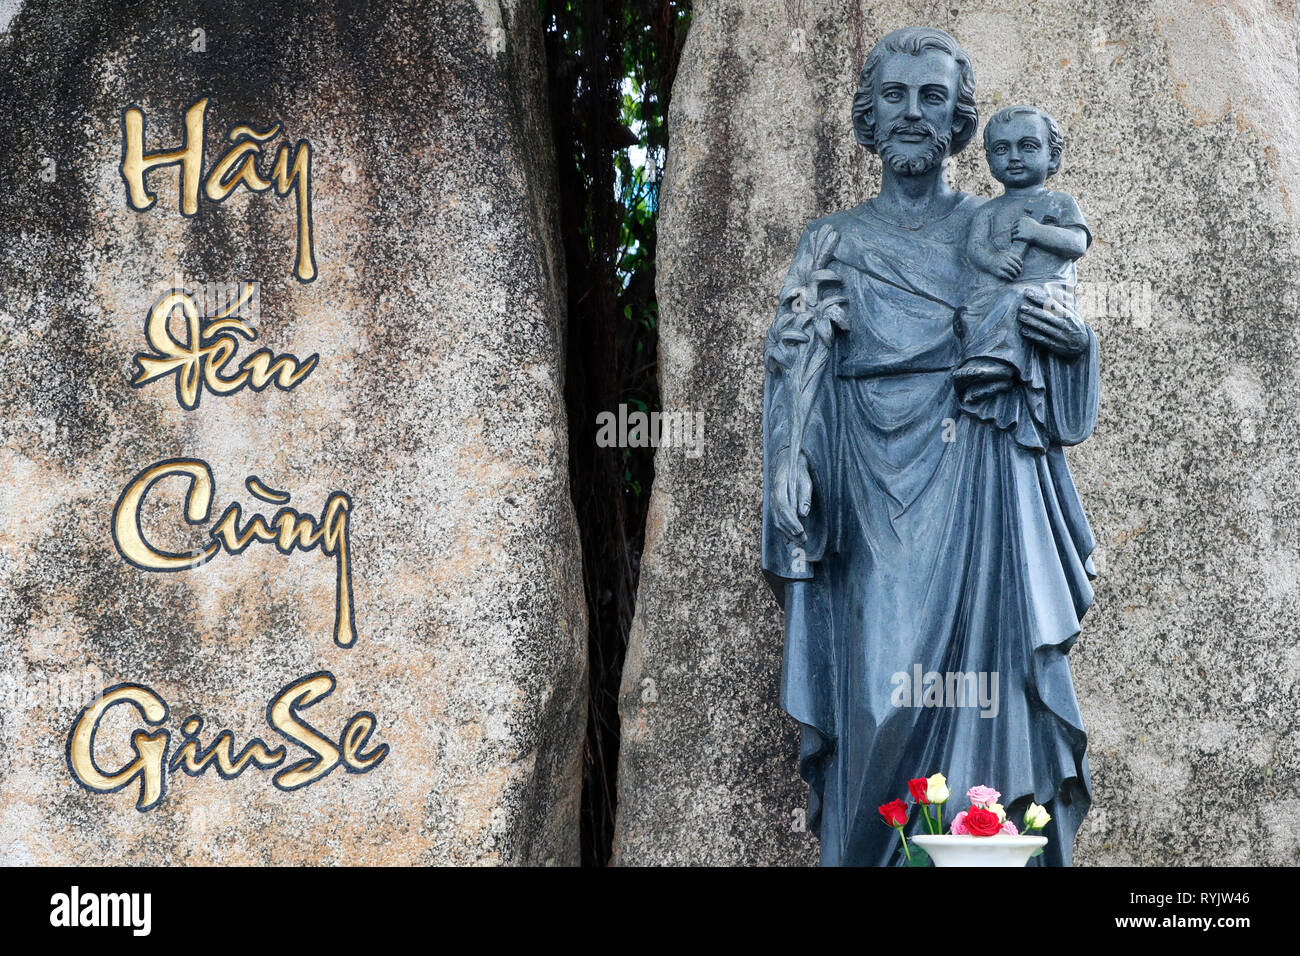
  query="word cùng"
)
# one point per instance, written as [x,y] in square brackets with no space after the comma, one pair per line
[287,530]
[289,172]
[200,360]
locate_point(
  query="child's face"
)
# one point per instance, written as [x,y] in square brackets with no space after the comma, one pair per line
[1018,154]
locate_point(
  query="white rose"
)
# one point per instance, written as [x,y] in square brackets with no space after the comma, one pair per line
[936,790]
[1036,817]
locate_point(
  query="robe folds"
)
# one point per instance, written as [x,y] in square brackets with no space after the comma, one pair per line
[936,545]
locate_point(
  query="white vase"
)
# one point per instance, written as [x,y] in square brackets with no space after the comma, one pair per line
[1000,850]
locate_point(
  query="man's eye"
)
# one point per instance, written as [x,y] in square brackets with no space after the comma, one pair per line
[1000,150]
[1030,147]
[936,99]
[892,96]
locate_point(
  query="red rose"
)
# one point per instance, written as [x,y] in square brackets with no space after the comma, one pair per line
[895,813]
[981,822]
[918,788]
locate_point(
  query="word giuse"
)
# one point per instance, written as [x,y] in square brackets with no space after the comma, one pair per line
[289,172]
[287,530]
[210,345]
[150,764]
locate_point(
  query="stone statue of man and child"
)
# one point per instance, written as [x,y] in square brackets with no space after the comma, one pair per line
[925,371]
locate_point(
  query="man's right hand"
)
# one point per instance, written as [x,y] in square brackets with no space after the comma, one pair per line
[792,500]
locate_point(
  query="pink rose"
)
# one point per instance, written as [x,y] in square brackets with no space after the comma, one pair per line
[1009,829]
[982,796]
[959,825]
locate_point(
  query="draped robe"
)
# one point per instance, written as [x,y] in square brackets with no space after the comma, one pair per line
[934,539]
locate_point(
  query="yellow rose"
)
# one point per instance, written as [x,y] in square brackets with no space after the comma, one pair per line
[997,808]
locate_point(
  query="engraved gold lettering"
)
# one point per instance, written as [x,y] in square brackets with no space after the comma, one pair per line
[193,759]
[199,361]
[150,749]
[354,738]
[289,529]
[290,172]
[127,534]
[298,180]
[151,766]
[220,183]
[281,715]
[286,531]
[135,163]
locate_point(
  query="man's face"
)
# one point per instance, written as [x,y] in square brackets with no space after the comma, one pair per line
[915,101]
[1018,153]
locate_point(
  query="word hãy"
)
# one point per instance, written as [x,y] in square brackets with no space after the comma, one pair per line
[151,766]
[287,530]
[208,348]
[290,172]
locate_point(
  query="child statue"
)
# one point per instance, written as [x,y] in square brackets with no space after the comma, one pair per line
[1025,241]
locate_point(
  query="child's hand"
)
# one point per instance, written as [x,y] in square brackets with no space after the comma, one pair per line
[1025,229]
[1009,266]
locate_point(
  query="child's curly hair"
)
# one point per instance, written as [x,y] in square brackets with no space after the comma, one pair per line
[1055,142]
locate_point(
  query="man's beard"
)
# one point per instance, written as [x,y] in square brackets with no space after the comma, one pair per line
[905,164]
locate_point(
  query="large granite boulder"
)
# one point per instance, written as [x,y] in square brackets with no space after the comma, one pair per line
[435,406]
[1182,144]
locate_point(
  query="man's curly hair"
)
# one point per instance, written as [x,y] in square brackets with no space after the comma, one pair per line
[915,40]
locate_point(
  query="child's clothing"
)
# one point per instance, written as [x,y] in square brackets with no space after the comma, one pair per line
[989,325]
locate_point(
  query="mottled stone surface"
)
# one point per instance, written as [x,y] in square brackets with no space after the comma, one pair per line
[436,406]
[1182,144]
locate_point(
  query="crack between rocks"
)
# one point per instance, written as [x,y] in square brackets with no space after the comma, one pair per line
[610,66]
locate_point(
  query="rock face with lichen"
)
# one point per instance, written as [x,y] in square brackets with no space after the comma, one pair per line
[435,406]
[1182,144]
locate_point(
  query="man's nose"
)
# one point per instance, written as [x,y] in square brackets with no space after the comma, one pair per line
[913,109]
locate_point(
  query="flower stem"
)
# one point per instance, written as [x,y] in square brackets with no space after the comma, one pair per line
[906,852]
[929,821]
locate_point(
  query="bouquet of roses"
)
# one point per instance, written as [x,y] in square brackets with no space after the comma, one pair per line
[984,818]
